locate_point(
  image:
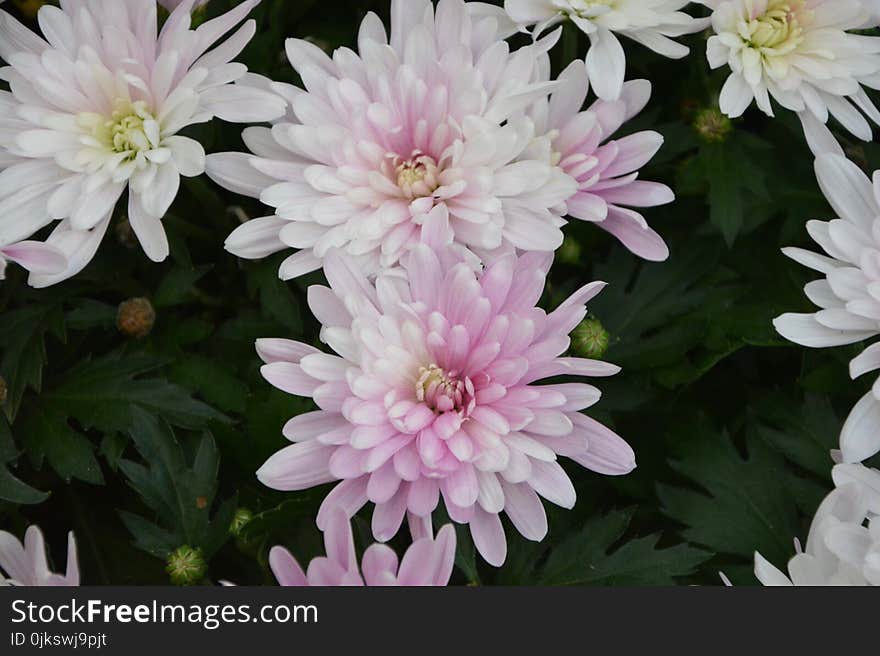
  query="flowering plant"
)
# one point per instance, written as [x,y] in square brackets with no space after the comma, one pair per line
[411,292]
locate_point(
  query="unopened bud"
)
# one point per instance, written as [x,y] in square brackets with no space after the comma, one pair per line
[242,518]
[186,566]
[712,125]
[590,339]
[135,318]
[4,390]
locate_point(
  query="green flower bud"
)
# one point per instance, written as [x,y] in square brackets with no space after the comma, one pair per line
[590,339]
[186,566]
[135,318]
[712,125]
[242,518]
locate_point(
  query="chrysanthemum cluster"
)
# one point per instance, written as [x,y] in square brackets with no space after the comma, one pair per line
[430,175]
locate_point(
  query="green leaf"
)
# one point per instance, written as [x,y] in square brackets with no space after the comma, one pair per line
[734,172]
[179,490]
[214,381]
[23,336]
[742,505]
[276,298]
[589,557]
[277,519]
[725,199]
[88,314]
[70,454]
[11,488]
[466,555]
[805,433]
[101,394]
[178,286]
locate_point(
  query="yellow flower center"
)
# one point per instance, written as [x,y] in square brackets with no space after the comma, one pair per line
[780,28]
[129,130]
[416,177]
[590,8]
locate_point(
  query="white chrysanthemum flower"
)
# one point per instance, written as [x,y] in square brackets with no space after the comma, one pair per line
[843,547]
[432,117]
[95,109]
[849,292]
[653,23]
[801,54]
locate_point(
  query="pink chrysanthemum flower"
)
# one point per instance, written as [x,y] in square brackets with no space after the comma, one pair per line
[26,564]
[433,116]
[606,170]
[427,562]
[94,111]
[434,392]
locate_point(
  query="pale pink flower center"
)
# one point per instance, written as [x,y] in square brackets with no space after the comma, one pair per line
[442,391]
[416,177]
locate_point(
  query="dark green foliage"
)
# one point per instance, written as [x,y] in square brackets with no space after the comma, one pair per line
[178,488]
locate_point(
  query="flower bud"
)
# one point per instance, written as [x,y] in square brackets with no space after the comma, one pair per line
[186,566]
[135,318]
[712,125]
[242,518]
[590,339]
[4,390]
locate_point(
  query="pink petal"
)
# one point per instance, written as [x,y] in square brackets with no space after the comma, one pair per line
[488,535]
[297,467]
[287,571]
